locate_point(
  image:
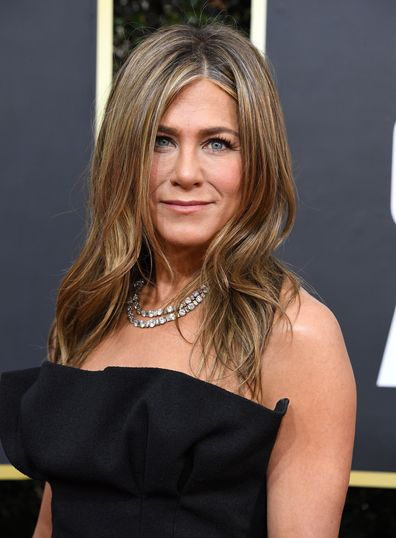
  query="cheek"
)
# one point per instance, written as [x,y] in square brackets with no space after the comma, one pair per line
[158,173]
[229,180]
[153,174]
[155,181]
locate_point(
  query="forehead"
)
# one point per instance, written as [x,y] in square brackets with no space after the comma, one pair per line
[202,101]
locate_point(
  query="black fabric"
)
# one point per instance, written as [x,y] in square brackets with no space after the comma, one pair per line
[140,451]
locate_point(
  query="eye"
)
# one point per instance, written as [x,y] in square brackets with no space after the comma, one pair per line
[159,139]
[221,141]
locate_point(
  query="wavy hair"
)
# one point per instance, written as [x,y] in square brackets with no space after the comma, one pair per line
[244,276]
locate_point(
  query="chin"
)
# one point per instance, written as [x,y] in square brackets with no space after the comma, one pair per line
[185,240]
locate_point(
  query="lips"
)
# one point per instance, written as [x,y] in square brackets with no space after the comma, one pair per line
[184,202]
[186,207]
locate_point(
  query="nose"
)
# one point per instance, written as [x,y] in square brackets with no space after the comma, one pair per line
[187,169]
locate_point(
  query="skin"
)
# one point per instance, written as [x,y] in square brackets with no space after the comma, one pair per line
[43,527]
[309,467]
[190,165]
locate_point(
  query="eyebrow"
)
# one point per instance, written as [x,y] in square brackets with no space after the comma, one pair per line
[205,131]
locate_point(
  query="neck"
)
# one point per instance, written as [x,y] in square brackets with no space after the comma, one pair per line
[185,263]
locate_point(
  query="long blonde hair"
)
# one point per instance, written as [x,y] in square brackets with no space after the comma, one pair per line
[244,276]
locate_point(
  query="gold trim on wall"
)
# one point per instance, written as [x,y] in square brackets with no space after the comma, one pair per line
[104,57]
[372,479]
[258,23]
[8,472]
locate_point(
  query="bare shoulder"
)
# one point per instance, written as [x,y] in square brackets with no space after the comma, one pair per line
[309,469]
[314,345]
[306,313]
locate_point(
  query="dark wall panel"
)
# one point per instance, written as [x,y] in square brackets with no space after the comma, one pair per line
[336,74]
[47,91]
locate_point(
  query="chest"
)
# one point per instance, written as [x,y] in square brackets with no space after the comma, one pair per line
[162,346]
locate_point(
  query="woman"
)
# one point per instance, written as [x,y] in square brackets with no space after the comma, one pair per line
[179,339]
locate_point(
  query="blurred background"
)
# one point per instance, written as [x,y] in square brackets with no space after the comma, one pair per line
[334,64]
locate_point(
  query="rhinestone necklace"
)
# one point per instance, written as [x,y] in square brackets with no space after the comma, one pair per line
[166,314]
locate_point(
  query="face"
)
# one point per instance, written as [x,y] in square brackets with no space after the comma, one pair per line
[196,161]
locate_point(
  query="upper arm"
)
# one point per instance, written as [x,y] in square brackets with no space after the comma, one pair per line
[309,468]
[44,522]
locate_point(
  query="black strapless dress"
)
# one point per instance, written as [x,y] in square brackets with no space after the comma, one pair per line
[140,452]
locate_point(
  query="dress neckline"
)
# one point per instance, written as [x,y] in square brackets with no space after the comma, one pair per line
[279,409]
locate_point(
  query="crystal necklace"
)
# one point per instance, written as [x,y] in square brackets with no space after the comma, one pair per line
[168,313]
